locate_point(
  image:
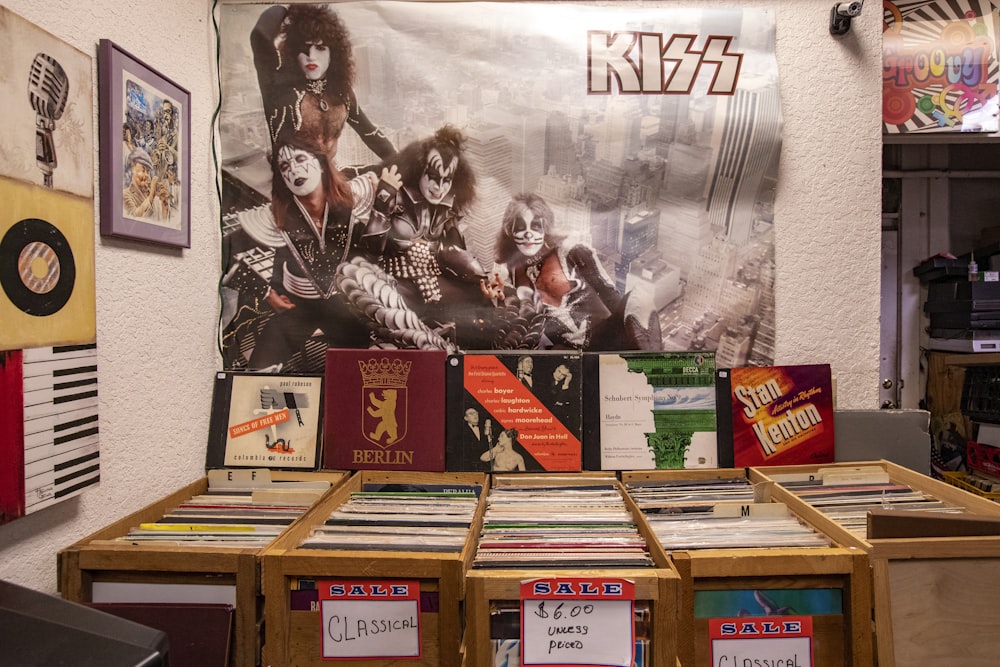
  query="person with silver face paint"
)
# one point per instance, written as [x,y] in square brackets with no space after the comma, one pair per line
[567,284]
[313,223]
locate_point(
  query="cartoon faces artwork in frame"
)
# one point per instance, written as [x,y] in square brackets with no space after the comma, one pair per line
[145,131]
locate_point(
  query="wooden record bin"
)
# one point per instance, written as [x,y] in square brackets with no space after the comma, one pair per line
[293,636]
[839,639]
[658,587]
[98,559]
[936,600]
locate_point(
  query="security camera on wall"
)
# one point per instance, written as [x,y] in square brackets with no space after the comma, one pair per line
[841,15]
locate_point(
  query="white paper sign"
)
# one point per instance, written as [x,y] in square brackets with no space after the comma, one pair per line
[788,652]
[577,632]
[370,628]
[764,641]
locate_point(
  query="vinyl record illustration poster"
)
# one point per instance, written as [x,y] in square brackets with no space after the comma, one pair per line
[46,184]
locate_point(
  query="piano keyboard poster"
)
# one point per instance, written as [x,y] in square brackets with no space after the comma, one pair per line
[48,427]
[48,395]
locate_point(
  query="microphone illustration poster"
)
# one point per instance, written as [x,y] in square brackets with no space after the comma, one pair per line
[46,184]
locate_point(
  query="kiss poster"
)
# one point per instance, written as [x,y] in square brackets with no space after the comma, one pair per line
[478,176]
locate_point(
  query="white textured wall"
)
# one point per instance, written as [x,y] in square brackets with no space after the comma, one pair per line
[157,309]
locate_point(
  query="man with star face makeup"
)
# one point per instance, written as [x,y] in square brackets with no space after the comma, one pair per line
[415,232]
[567,284]
[305,70]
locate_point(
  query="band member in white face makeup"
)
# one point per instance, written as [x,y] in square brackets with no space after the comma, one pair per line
[313,225]
[305,70]
[300,170]
[314,59]
[415,232]
[567,283]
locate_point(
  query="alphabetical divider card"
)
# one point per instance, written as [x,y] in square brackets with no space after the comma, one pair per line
[370,619]
[577,621]
[785,641]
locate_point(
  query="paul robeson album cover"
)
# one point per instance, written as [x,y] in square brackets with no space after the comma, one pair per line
[262,420]
[775,415]
[515,411]
[384,410]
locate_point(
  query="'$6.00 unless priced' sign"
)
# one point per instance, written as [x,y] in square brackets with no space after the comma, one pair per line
[574,621]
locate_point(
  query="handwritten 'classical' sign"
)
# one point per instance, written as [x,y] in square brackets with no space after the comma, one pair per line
[370,619]
[767,641]
[577,621]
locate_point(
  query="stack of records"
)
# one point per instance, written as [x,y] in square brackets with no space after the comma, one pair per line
[538,525]
[228,516]
[380,518]
[942,268]
[719,514]
[849,504]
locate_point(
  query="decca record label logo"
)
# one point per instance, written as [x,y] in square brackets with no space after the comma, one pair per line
[384,400]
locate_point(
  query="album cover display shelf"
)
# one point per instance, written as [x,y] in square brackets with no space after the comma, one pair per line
[187,573]
[935,599]
[656,590]
[841,634]
[293,632]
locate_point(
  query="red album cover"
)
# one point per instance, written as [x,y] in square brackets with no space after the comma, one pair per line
[11,436]
[775,415]
[515,411]
[384,410]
